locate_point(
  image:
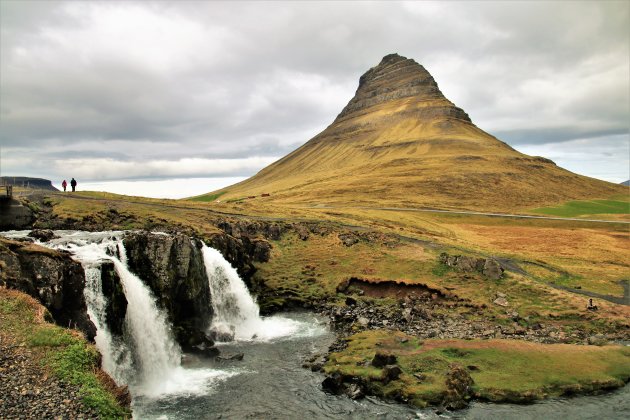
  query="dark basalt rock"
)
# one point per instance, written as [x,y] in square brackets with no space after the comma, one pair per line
[173,268]
[43,235]
[51,277]
[382,360]
[333,384]
[391,373]
[112,288]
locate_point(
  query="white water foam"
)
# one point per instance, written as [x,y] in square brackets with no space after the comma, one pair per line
[235,309]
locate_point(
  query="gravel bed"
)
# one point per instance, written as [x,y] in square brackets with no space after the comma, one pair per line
[28,391]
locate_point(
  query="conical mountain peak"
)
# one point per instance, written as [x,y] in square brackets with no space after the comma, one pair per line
[397,77]
[399,142]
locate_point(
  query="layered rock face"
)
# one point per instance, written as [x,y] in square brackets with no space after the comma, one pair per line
[173,268]
[397,77]
[51,277]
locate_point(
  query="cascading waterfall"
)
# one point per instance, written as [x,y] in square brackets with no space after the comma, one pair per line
[116,354]
[147,358]
[236,314]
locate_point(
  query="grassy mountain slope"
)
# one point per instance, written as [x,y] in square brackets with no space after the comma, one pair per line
[400,142]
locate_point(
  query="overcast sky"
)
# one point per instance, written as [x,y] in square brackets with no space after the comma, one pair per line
[123,90]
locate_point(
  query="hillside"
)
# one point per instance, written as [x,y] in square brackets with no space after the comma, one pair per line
[400,142]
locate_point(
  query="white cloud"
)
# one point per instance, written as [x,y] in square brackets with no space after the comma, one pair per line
[110,169]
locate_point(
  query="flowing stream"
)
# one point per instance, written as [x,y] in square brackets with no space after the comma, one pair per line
[269,382]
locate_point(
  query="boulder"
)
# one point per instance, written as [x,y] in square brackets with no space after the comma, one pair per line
[333,384]
[348,239]
[489,267]
[43,235]
[458,388]
[222,332]
[390,373]
[261,251]
[492,269]
[383,359]
[501,301]
[355,391]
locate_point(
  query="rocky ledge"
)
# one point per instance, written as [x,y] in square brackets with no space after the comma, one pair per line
[51,277]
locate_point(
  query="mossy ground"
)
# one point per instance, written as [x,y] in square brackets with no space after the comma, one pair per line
[63,352]
[503,370]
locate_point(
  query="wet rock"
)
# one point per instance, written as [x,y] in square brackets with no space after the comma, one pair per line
[43,235]
[355,391]
[333,384]
[116,306]
[383,359]
[223,333]
[173,268]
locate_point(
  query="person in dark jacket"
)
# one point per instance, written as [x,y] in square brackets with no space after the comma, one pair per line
[64,184]
[73,184]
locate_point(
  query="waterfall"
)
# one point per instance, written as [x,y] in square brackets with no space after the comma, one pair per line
[117,358]
[155,349]
[147,354]
[236,314]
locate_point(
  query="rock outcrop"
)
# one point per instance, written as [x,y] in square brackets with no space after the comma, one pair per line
[51,277]
[489,267]
[173,268]
[397,77]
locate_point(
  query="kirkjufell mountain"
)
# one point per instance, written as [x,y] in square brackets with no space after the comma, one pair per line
[401,142]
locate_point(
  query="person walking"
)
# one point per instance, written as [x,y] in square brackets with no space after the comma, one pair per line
[73,184]
[64,184]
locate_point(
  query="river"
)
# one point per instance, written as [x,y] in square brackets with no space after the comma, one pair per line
[270,383]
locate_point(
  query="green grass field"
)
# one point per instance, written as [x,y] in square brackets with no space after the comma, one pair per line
[581,208]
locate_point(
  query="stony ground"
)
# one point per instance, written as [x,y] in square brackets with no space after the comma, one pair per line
[28,391]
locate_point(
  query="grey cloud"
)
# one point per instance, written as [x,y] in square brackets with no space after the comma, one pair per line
[554,135]
[239,79]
